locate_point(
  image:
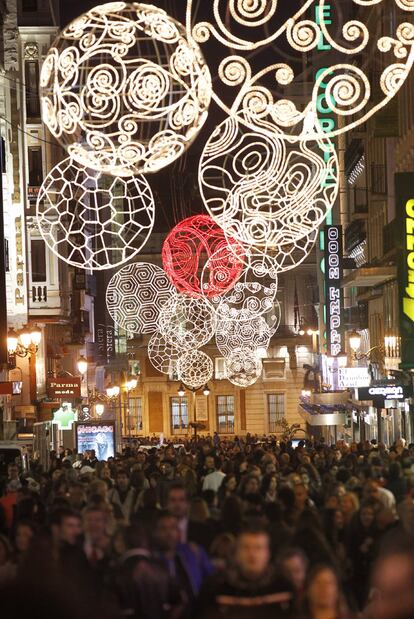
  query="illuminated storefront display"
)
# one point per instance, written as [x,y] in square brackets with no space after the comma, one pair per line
[404,192]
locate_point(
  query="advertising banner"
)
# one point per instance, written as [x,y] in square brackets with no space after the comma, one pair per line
[97,435]
[404,198]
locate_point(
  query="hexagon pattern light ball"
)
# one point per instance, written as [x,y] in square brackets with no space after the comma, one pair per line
[123,90]
[195,368]
[135,296]
[198,258]
[243,367]
[91,220]
[187,322]
[247,334]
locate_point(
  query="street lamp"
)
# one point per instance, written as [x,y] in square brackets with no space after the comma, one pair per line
[82,364]
[355,341]
[23,344]
[99,409]
[181,390]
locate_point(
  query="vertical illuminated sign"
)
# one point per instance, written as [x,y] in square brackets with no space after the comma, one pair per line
[333,291]
[327,120]
[404,194]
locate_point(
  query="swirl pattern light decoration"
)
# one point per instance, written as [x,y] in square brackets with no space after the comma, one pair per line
[187,322]
[247,300]
[198,245]
[349,91]
[162,354]
[264,189]
[195,368]
[94,221]
[135,296]
[234,334]
[243,367]
[124,90]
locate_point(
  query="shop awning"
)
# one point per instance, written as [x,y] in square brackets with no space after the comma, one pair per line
[369,277]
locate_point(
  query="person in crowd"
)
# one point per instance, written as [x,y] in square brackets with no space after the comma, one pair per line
[323,598]
[123,495]
[294,566]
[392,593]
[250,586]
[186,564]
[277,515]
[214,477]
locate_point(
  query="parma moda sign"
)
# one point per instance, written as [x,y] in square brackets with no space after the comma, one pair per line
[333,291]
[404,193]
[63,387]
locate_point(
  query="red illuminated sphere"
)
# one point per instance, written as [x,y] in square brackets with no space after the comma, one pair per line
[199,260]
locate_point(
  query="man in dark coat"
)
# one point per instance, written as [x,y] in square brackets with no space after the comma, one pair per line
[250,587]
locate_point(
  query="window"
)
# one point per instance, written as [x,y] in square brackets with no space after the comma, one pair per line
[135,414]
[35,166]
[275,409]
[179,415]
[220,368]
[225,414]
[38,260]
[29,6]
[31,74]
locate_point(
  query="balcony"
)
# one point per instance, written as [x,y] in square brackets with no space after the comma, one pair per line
[390,237]
[355,234]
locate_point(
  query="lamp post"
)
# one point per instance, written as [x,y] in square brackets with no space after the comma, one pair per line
[121,393]
[181,393]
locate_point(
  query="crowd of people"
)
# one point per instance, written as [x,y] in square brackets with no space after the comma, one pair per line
[214,527]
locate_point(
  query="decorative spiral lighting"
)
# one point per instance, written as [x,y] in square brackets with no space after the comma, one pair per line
[123,89]
[91,220]
[195,368]
[343,88]
[198,245]
[265,190]
[135,296]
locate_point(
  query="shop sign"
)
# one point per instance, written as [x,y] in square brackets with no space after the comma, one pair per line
[333,291]
[384,392]
[63,387]
[64,417]
[353,378]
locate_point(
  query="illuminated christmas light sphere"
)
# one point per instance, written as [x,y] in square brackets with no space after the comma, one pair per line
[195,368]
[91,220]
[361,70]
[135,296]
[264,189]
[123,90]
[187,322]
[243,367]
[162,354]
[195,246]
[250,333]
[245,301]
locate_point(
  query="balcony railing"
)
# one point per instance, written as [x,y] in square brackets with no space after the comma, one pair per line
[39,294]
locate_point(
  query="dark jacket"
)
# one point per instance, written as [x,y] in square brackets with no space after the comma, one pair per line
[231,595]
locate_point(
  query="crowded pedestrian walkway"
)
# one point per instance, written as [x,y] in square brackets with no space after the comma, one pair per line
[212,527]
